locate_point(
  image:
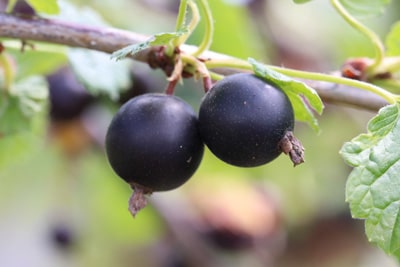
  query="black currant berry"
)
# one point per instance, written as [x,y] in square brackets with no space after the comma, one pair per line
[245,121]
[153,143]
[68,97]
[63,237]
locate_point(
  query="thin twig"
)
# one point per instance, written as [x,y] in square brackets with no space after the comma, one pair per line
[74,35]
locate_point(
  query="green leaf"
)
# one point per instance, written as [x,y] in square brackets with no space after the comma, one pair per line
[373,187]
[95,70]
[26,99]
[98,73]
[31,62]
[31,94]
[365,8]
[393,40]
[45,6]
[297,92]
[156,40]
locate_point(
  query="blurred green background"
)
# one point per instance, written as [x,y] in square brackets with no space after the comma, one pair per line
[62,205]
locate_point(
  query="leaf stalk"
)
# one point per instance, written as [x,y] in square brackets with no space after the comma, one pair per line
[209,28]
[244,65]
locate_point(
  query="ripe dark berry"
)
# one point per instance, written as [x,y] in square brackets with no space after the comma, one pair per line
[153,143]
[63,237]
[229,240]
[68,97]
[244,121]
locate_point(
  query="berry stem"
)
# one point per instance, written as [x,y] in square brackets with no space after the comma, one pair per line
[371,35]
[209,28]
[207,83]
[216,76]
[175,76]
[200,67]
[180,20]
[244,65]
[180,23]
[171,87]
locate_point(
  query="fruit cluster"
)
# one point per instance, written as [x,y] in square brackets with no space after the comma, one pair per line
[155,142]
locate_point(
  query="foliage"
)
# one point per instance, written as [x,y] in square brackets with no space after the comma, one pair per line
[26,99]
[94,69]
[98,73]
[372,188]
[156,40]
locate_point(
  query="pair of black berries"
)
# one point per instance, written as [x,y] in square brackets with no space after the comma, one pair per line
[156,142]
